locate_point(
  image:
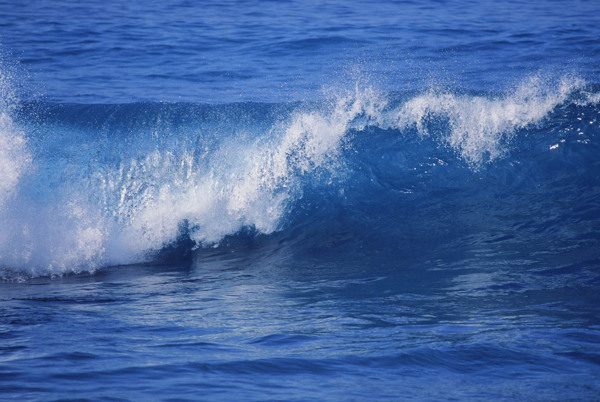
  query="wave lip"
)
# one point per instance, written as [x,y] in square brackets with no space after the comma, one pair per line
[479,126]
[14,155]
[83,196]
[244,183]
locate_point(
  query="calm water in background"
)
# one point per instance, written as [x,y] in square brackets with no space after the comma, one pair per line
[272,51]
[300,200]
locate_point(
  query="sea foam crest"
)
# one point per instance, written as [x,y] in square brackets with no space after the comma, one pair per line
[245,183]
[122,212]
[480,126]
[39,236]
[14,155]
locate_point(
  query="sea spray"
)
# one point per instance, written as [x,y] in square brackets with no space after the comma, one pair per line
[479,126]
[246,182]
[143,177]
[14,155]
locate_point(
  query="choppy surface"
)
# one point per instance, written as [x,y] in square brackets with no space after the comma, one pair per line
[337,214]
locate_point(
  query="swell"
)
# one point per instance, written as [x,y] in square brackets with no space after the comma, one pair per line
[98,185]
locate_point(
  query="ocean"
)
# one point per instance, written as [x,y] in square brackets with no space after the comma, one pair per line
[299,200]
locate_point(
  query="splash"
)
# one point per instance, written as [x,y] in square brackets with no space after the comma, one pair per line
[479,127]
[84,197]
[39,235]
[14,155]
[244,183]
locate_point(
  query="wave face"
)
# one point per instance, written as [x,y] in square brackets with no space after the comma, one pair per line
[296,200]
[87,186]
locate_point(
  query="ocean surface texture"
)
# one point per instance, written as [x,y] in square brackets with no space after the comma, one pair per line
[300,200]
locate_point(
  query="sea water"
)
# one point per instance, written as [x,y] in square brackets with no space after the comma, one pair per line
[322,200]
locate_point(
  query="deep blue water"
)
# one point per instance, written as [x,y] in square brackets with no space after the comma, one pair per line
[300,200]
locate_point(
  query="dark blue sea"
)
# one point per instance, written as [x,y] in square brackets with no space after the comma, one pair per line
[299,200]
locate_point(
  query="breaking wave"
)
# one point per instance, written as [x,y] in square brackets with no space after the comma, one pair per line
[87,186]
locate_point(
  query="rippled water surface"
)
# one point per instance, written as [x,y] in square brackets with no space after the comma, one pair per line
[299,200]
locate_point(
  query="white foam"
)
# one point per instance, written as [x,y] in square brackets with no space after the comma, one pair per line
[479,126]
[14,155]
[52,239]
[40,236]
[122,213]
[246,183]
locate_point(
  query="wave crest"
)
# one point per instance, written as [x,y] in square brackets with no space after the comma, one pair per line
[479,126]
[86,197]
[14,155]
